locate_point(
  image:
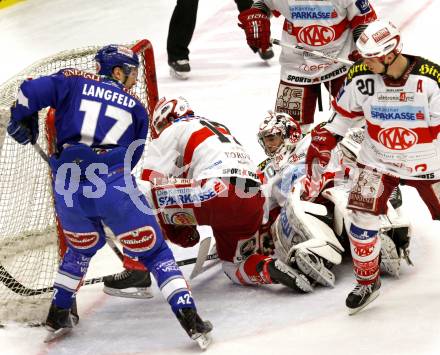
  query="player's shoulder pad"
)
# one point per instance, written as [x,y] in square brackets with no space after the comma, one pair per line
[263,164]
[72,72]
[357,69]
[427,68]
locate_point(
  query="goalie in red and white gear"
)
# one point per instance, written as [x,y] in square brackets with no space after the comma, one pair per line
[201,175]
[397,97]
[299,239]
[328,26]
[299,228]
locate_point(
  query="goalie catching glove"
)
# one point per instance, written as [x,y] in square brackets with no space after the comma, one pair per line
[256,25]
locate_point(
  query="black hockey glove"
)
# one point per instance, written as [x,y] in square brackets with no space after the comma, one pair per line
[26,130]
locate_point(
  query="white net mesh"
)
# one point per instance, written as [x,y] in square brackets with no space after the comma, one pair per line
[29,251]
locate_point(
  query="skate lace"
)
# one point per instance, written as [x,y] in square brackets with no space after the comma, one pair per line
[123,275]
[362,290]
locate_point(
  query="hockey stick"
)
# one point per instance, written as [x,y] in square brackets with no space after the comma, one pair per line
[41,152]
[299,48]
[10,282]
[202,256]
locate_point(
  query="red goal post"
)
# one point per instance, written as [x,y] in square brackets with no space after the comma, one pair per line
[29,243]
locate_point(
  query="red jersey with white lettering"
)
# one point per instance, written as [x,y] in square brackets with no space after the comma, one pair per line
[325,26]
[196,148]
[402,118]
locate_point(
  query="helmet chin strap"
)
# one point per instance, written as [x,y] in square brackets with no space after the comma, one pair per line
[386,66]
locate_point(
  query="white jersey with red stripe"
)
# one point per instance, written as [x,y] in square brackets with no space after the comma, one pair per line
[324,26]
[402,118]
[196,148]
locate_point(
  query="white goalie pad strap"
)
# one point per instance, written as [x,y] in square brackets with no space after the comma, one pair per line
[320,248]
[67,282]
[172,286]
[339,197]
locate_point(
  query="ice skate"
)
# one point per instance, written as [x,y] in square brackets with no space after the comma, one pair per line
[129,284]
[59,322]
[361,296]
[286,275]
[180,69]
[195,327]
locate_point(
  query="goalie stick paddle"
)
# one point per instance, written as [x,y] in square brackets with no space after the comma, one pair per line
[299,48]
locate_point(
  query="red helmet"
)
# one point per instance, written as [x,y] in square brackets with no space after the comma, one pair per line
[167,111]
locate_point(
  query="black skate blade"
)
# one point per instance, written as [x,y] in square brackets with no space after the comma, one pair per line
[179,75]
[353,311]
[57,334]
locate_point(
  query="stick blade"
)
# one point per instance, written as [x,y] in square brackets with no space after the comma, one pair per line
[201,257]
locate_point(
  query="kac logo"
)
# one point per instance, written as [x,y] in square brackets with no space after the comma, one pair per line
[397,138]
[316,35]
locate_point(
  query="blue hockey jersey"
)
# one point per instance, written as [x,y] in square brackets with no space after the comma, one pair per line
[90,110]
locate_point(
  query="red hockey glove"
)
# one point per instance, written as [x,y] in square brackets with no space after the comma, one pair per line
[318,156]
[256,25]
[184,236]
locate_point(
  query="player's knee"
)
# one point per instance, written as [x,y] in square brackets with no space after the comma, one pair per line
[141,243]
[87,243]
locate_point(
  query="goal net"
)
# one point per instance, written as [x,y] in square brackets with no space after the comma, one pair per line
[29,244]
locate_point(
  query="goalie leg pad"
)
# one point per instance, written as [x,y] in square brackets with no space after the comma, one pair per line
[389,257]
[313,266]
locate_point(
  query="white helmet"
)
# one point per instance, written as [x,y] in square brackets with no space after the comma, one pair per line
[282,124]
[167,111]
[378,39]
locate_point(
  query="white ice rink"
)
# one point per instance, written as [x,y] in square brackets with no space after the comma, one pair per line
[231,85]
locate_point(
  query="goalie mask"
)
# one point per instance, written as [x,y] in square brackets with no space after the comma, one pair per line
[167,111]
[278,130]
[112,56]
[380,38]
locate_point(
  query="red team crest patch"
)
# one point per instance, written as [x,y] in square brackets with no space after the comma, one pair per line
[316,35]
[139,240]
[397,138]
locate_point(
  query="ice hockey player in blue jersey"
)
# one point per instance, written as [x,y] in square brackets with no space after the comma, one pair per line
[99,125]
